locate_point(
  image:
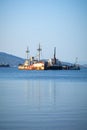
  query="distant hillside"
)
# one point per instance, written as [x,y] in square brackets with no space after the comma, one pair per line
[12,60]
[84,66]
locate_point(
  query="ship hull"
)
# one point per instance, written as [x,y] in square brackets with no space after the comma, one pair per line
[36,66]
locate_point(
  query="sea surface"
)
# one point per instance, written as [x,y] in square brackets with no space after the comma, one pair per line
[43,100]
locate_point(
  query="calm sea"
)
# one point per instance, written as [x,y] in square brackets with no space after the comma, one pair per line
[43,100]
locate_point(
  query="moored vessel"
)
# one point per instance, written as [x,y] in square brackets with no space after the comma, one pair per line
[32,63]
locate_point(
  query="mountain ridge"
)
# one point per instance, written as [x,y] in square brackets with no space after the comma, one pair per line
[10,59]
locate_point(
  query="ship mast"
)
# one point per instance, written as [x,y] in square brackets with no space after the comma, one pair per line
[27,52]
[39,50]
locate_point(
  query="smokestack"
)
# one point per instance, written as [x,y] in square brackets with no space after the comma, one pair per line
[54,55]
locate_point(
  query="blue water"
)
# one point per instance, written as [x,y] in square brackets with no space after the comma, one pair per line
[43,100]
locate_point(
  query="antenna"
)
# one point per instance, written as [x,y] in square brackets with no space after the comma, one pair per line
[27,52]
[39,50]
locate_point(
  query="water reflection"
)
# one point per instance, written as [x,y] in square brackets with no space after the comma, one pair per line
[42,104]
[41,94]
[31,94]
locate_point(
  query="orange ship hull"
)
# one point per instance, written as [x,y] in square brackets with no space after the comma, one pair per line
[36,66]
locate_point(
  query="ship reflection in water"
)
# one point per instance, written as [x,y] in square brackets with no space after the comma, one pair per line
[41,96]
[42,105]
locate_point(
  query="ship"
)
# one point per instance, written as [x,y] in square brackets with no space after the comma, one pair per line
[32,63]
[51,64]
[4,65]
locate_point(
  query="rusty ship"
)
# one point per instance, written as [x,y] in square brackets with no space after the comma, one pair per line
[32,63]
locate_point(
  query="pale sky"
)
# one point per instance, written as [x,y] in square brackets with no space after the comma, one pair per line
[52,23]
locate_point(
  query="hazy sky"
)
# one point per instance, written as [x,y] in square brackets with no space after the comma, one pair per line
[52,23]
